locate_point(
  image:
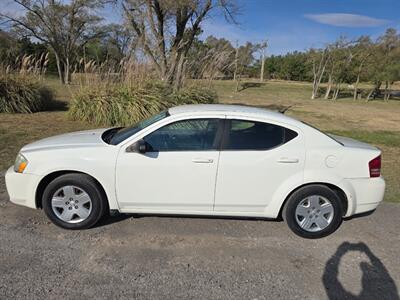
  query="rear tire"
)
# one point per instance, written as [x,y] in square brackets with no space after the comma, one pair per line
[74,201]
[313,211]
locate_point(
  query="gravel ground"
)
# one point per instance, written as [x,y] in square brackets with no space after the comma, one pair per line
[174,257]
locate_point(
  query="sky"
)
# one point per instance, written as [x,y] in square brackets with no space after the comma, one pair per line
[290,25]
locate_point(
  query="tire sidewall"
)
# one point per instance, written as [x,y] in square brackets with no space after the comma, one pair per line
[86,184]
[319,190]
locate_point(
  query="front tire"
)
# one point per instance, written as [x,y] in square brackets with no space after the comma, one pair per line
[74,201]
[313,211]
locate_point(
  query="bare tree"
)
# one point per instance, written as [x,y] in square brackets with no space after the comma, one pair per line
[63,27]
[216,61]
[119,41]
[319,59]
[236,64]
[166,30]
[262,49]
[341,57]
[389,45]
[244,57]
[383,66]
[362,55]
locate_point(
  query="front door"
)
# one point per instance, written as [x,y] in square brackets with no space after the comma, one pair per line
[177,172]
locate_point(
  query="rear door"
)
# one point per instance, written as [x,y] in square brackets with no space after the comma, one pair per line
[256,158]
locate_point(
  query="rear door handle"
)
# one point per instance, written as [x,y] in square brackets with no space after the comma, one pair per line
[287,160]
[202,160]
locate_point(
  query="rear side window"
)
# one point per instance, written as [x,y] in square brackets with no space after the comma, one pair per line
[187,135]
[251,135]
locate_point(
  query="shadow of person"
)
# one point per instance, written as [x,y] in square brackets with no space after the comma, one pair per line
[376,282]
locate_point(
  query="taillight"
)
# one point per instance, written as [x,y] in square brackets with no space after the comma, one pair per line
[375,167]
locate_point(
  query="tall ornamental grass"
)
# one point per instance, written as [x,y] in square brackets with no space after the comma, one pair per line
[23,94]
[122,105]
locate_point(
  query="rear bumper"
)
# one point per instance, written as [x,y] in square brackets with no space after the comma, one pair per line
[22,187]
[367,194]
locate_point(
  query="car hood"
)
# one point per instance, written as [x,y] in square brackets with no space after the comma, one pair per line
[87,138]
[351,143]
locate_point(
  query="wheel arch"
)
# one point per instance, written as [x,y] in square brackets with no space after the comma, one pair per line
[338,190]
[44,182]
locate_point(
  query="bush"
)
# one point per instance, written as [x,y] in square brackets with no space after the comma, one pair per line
[121,105]
[23,94]
[195,95]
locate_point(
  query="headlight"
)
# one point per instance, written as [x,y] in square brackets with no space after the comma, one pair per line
[20,163]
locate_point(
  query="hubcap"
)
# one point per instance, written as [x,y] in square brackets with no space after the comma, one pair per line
[314,213]
[71,204]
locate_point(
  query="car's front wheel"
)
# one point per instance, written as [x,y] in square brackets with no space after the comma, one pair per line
[74,201]
[313,211]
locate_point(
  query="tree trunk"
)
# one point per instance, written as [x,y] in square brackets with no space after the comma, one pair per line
[358,77]
[369,95]
[356,87]
[67,75]
[236,62]
[262,68]
[336,92]
[386,95]
[316,84]
[375,90]
[318,74]
[313,94]
[179,73]
[328,89]
[237,84]
[60,69]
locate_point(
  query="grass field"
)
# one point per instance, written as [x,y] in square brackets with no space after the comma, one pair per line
[375,122]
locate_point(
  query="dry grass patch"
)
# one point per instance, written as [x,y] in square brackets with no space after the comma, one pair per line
[375,122]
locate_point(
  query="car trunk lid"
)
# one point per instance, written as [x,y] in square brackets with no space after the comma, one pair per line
[352,143]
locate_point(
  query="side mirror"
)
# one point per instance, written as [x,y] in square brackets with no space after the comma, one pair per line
[139,147]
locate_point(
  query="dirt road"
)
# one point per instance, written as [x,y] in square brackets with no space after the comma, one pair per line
[171,257]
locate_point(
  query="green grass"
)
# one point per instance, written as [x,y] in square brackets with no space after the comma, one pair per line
[376,122]
[17,130]
[387,138]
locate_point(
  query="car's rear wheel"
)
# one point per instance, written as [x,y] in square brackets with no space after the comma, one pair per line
[313,211]
[74,201]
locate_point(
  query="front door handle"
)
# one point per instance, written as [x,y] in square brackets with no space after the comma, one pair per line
[288,160]
[202,160]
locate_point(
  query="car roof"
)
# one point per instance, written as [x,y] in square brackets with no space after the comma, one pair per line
[232,109]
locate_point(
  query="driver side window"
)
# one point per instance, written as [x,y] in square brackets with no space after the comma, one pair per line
[186,135]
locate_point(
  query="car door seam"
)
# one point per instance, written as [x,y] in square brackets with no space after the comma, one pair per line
[219,156]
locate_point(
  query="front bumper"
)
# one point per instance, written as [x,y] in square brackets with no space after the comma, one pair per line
[21,187]
[368,193]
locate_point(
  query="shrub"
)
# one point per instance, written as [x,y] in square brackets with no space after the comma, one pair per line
[23,94]
[195,95]
[122,105]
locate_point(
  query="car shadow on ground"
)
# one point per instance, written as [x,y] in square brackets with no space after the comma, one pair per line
[111,219]
[376,281]
[119,217]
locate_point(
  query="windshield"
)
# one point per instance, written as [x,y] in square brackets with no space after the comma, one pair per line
[122,134]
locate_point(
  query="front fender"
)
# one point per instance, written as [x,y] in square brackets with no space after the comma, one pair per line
[96,162]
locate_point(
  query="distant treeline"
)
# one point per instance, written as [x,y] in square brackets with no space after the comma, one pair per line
[164,36]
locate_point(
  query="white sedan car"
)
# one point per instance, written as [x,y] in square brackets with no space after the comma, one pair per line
[218,160]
